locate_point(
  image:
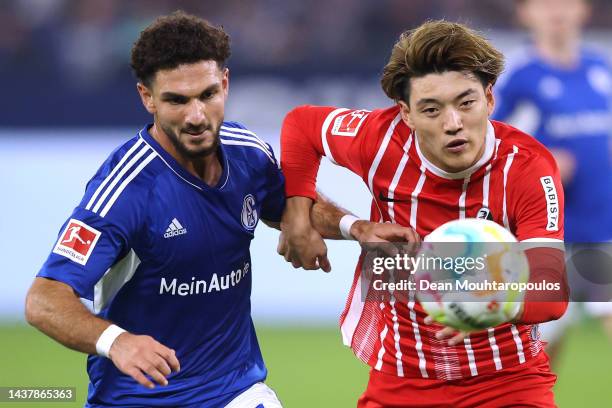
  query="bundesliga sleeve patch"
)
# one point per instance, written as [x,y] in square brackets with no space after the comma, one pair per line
[77,241]
[349,123]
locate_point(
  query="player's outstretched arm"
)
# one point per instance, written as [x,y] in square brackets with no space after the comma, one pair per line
[546,264]
[54,308]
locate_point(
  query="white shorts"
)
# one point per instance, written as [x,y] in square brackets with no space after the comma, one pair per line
[258,396]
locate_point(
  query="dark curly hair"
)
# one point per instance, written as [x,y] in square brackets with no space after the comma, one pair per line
[176,39]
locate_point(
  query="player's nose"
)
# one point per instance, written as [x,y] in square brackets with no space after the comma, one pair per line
[452,121]
[196,112]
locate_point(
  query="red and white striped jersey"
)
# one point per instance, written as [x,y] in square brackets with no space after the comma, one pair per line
[516,181]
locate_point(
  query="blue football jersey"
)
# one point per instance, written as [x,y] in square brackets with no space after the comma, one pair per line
[567,108]
[161,253]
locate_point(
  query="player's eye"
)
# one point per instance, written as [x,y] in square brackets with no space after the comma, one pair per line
[468,103]
[175,101]
[208,94]
[430,111]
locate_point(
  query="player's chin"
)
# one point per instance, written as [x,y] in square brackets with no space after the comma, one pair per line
[200,149]
[457,163]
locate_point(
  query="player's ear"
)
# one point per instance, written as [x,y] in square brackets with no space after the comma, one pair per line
[490,99]
[405,113]
[225,81]
[146,96]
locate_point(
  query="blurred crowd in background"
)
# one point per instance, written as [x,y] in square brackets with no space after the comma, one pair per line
[64,61]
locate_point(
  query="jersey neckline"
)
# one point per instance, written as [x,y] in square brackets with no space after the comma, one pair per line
[179,170]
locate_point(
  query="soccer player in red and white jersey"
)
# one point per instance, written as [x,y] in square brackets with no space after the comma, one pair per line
[434,157]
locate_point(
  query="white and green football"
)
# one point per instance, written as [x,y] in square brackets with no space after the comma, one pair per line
[464,264]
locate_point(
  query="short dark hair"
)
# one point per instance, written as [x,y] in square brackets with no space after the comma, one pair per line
[436,47]
[176,39]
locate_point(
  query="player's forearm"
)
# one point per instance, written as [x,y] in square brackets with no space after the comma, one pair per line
[301,214]
[325,217]
[297,213]
[545,264]
[53,308]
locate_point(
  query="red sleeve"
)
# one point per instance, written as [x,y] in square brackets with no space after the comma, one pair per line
[535,198]
[545,264]
[309,132]
[535,207]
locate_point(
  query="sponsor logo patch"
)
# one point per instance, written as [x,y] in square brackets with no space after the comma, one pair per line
[349,123]
[552,203]
[77,241]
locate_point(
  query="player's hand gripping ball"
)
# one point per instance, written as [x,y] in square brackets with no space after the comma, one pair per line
[461,263]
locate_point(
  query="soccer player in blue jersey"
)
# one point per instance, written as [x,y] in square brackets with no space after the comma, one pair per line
[160,241]
[561,92]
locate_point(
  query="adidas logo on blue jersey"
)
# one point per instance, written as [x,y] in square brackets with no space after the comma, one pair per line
[175,228]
